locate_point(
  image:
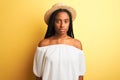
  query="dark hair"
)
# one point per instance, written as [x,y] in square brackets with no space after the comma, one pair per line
[51,30]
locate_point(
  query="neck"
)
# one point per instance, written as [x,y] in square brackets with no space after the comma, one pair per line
[61,36]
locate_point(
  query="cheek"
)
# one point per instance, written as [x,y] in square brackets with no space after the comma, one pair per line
[56,26]
[67,26]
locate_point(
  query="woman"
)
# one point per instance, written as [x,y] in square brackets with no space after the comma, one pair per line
[59,56]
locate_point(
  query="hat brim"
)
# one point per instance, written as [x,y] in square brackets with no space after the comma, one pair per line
[54,8]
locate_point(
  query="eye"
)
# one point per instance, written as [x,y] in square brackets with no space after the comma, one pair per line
[57,20]
[66,21]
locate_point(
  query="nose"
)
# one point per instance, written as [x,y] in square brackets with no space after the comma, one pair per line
[62,24]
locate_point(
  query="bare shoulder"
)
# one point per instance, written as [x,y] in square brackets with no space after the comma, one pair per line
[43,42]
[77,43]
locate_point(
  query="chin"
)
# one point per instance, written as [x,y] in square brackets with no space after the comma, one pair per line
[62,33]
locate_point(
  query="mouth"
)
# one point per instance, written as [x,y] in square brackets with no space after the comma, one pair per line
[62,30]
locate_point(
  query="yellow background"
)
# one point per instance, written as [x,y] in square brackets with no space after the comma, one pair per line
[97,26]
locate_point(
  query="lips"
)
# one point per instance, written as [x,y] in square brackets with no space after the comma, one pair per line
[62,29]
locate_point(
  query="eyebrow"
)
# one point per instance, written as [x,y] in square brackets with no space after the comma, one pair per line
[60,19]
[67,19]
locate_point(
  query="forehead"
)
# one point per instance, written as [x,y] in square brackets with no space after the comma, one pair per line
[62,15]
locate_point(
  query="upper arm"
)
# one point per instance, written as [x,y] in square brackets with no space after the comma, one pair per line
[80,78]
[38,78]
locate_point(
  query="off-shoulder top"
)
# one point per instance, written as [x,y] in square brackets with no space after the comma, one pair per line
[59,62]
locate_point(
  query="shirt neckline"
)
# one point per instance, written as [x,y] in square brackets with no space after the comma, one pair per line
[59,45]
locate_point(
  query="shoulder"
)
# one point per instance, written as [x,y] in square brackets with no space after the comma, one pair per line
[43,42]
[77,43]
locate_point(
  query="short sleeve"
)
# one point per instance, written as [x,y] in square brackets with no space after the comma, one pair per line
[82,65]
[37,63]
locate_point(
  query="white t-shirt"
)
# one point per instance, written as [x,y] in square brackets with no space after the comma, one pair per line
[59,62]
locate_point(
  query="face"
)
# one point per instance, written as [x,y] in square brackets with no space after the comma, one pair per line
[61,23]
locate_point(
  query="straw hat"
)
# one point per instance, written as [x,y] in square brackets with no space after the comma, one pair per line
[56,7]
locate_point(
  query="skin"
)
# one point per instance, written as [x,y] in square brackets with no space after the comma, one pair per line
[61,24]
